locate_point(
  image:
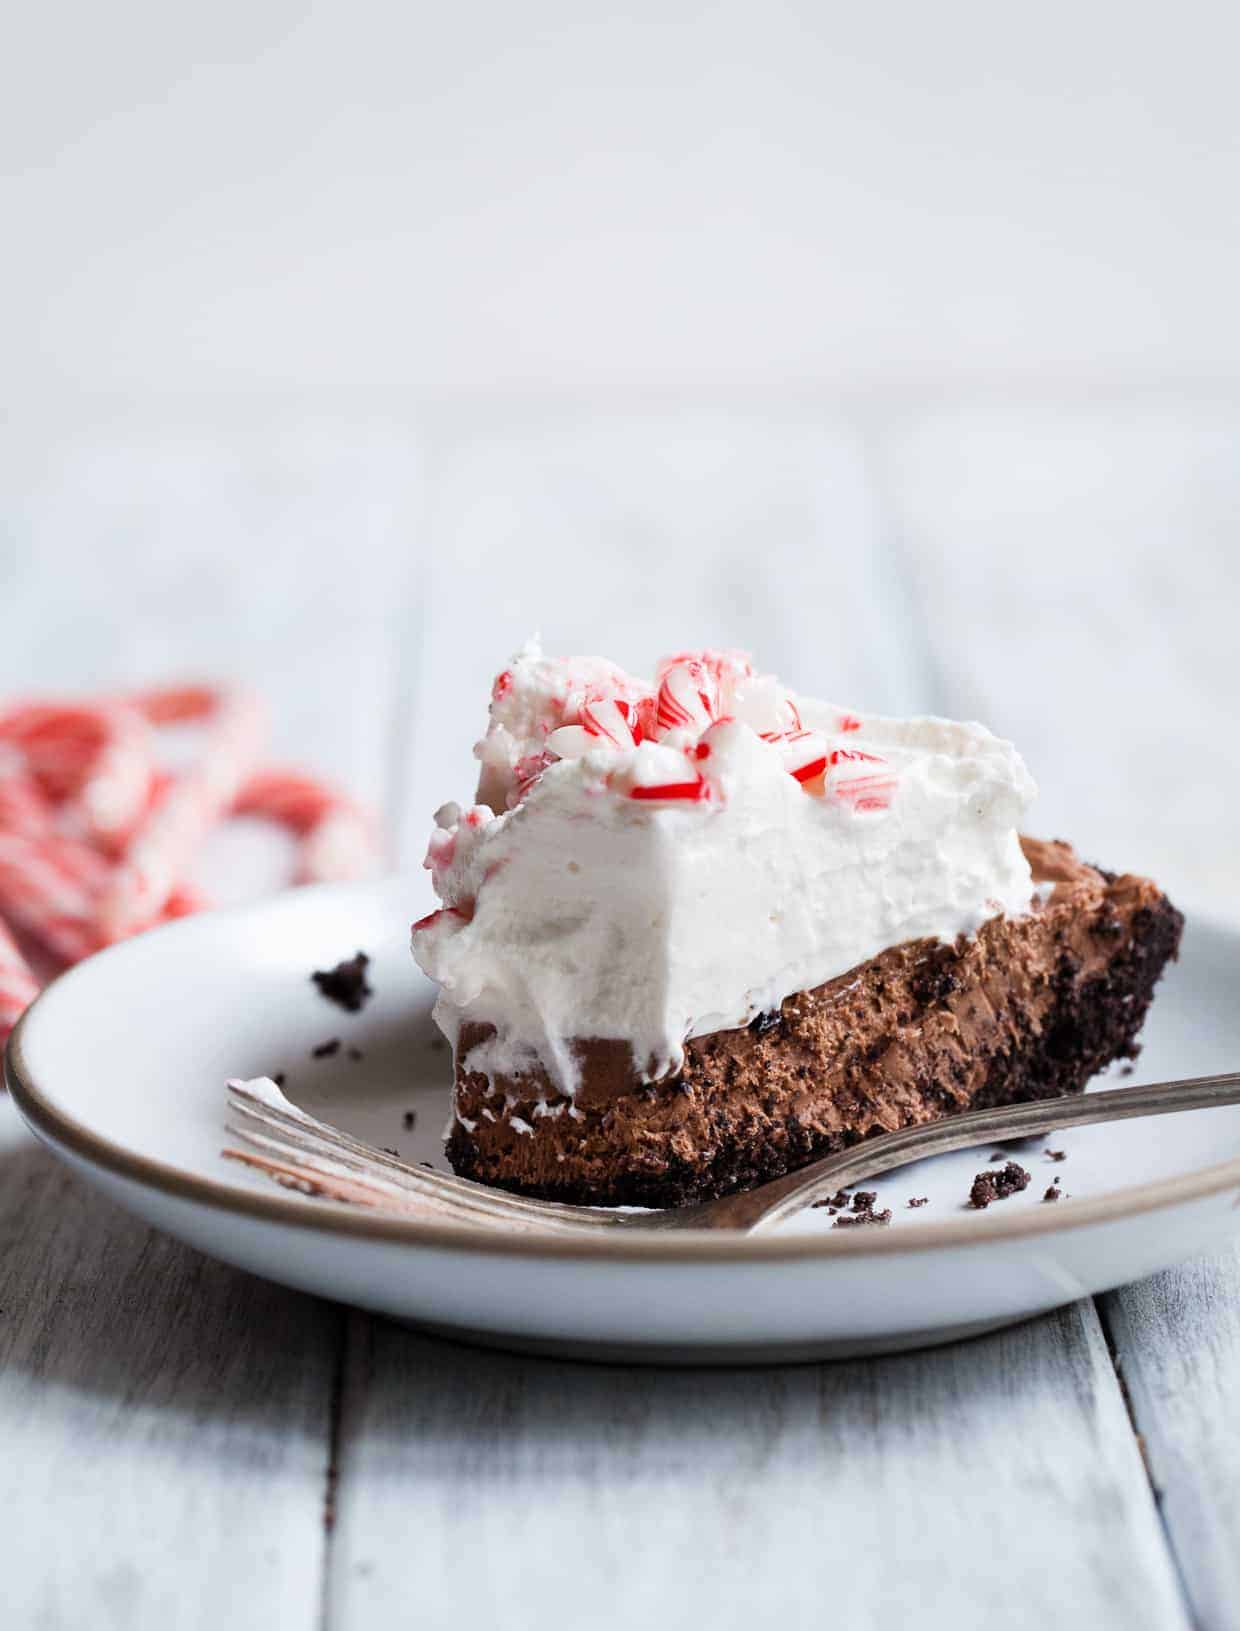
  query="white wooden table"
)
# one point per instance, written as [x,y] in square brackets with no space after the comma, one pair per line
[183,1446]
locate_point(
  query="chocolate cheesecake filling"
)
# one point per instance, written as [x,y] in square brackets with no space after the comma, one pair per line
[1028,1008]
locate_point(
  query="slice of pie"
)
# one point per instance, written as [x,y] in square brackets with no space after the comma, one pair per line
[700,932]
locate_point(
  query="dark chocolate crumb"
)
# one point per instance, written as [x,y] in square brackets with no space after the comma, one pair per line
[1127,1070]
[388,1150]
[997,1186]
[326,1049]
[862,1211]
[765,1022]
[861,1214]
[836,1202]
[999,1155]
[918,1200]
[1057,1155]
[278,1078]
[1054,1193]
[346,983]
[356,1053]
[408,1119]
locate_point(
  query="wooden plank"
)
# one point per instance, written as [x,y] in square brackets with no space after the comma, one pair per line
[276,556]
[1076,567]
[995,1482]
[1177,1343]
[167,1420]
[1078,573]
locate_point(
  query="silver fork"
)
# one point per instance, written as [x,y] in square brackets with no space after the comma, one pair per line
[308,1155]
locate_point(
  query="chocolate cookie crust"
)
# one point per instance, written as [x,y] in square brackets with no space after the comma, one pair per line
[1029,1008]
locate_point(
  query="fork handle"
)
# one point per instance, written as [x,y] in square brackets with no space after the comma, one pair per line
[772,1203]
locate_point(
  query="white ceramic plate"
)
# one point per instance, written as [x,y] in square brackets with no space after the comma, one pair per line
[120,1068]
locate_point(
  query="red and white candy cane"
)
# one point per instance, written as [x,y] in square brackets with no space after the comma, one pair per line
[866,781]
[726,666]
[48,883]
[688,696]
[27,813]
[51,884]
[93,758]
[18,986]
[336,839]
[45,898]
[24,807]
[176,823]
[95,839]
[604,722]
[804,754]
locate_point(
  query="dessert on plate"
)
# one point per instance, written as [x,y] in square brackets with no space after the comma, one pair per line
[699,931]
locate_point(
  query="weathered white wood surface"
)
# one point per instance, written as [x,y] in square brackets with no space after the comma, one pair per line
[1177,1343]
[1080,571]
[166,1421]
[993,1482]
[171,1421]
[275,557]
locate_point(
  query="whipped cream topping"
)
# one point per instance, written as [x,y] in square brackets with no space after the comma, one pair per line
[653,862]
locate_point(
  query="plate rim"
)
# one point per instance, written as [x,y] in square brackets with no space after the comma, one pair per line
[64,1132]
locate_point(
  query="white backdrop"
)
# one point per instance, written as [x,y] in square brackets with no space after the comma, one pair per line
[811,195]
